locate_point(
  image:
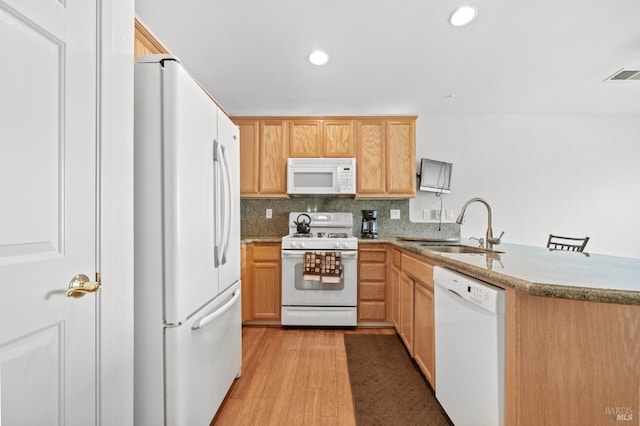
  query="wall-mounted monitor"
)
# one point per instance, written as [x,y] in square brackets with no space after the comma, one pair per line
[435,176]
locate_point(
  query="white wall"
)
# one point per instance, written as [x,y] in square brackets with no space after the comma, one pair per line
[565,174]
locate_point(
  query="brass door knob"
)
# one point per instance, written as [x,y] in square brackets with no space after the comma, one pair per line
[81,284]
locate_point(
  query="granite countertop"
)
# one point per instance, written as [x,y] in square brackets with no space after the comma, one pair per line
[543,272]
[534,270]
[259,239]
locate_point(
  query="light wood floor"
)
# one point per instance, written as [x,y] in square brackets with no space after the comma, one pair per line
[292,377]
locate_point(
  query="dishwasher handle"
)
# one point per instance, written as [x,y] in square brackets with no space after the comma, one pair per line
[456,293]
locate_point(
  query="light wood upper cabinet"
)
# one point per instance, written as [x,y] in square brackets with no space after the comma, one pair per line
[305,138]
[263,158]
[370,158]
[338,138]
[273,158]
[384,149]
[320,138]
[385,158]
[249,156]
[145,43]
[401,158]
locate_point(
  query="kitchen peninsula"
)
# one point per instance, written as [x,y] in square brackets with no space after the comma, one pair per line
[572,322]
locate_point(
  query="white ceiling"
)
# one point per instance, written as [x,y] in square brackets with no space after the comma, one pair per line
[403,57]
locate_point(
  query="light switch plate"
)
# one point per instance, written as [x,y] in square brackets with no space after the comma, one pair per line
[395,214]
[269,213]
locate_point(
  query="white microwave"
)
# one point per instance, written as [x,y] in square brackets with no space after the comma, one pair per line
[321,177]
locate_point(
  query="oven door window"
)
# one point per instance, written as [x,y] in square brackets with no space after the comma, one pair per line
[302,284]
[296,291]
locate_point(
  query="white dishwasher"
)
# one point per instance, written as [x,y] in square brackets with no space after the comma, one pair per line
[469,327]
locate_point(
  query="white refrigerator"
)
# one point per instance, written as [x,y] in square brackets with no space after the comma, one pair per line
[188,335]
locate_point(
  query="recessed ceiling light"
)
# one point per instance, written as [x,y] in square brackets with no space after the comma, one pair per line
[318,57]
[463,15]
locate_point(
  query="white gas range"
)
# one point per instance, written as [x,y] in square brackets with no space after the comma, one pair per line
[312,300]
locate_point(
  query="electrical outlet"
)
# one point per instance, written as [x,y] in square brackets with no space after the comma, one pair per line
[435,214]
[394,214]
[269,213]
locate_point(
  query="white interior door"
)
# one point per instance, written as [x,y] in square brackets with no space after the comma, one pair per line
[47,211]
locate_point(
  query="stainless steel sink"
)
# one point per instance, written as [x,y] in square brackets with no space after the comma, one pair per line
[457,248]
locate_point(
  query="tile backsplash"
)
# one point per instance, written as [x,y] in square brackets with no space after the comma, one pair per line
[255,224]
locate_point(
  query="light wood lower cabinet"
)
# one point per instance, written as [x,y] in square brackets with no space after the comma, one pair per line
[262,288]
[413,310]
[571,361]
[394,283]
[424,331]
[406,311]
[372,289]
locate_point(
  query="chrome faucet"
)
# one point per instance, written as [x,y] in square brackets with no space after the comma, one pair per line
[490,239]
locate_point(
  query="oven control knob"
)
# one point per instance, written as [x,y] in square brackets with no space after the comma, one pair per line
[302,244]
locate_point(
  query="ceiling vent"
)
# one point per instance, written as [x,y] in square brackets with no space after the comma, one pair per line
[625,75]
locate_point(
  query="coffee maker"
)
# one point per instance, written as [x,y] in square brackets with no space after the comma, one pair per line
[369,224]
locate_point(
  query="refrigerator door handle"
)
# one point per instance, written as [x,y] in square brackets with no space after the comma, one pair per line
[208,319]
[228,204]
[220,205]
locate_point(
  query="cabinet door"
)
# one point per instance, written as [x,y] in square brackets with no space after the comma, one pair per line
[370,158]
[401,158]
[249,157]
[338,138]
[265,282]
[266,291]
[424,332]
[305,138]
[273,158]
[406,311]
[394,282]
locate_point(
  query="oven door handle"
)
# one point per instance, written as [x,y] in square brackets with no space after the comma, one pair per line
[300,253]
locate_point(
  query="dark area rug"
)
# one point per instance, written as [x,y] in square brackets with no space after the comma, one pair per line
[387,388]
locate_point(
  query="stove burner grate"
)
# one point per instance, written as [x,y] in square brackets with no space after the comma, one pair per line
[302,235]
[337,235]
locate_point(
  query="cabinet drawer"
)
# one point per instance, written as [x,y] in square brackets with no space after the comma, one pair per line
[372,272]
[372,255]
[372,311]
[372,291]
[419,271]
[266,252]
